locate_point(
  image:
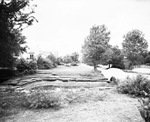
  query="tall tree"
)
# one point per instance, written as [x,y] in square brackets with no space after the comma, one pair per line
[134,46]
[95,45]
[15,15]
[75,57]
[113,56]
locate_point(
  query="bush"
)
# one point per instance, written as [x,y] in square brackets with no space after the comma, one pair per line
[6,74]
[10,101]
[48,64]
[74,64]
[42,99]
[44,63]
[26,67]
[138,86]
[120,66]
[117,62]
[145,109]
[53,58]
[59,61]
[147,59]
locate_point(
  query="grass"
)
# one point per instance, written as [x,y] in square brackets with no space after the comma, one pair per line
[138,87]
[14,100]
[42,99]
[10,101]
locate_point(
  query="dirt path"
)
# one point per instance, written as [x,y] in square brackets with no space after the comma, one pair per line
[114,108]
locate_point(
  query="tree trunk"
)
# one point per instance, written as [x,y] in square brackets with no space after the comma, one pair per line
[95,66]
[108,65]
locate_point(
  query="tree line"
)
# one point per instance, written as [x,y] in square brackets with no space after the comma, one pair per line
[97,50]
[16,15]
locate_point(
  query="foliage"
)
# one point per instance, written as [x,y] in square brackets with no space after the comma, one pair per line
[107,56]
[117,60]
[128,64]
[40,61]
[138,86]
[75,57]
[10,101]
[95,45]
[145,109]
[26,67]
[6,74]
[74,64]
[13,99]
[14,19]
[42,99]
[147,59]
[59,60]
[53,58]
[67,59]
[134,45]
[114,56]
[44,63]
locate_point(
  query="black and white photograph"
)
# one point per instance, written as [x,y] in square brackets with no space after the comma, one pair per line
[75,61]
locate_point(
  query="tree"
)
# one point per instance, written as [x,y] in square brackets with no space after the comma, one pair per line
[107,56]
[13,19]
[134,46]
[95,45]
[67,59]
[114,56]
[117,59]
[53,58]
[75,57]
[147,60]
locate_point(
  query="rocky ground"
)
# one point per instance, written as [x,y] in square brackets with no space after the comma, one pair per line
[110,107]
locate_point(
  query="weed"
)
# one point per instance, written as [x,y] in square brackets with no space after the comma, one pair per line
[42,99]
[138,86]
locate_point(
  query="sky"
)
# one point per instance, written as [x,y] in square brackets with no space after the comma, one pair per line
[64,24]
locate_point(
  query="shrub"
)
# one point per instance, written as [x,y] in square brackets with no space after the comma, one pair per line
[42,99]
[48,64]
[59,61]
[138,86]
[53,58]
[83,96]
[147,59]
[44,63]
[26,67]
[10,101]
[74,64]
[145,109]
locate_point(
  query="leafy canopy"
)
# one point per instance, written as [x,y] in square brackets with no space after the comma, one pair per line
[15,15]
[95,45]
[134,45]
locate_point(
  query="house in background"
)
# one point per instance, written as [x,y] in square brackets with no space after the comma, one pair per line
[34,55]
